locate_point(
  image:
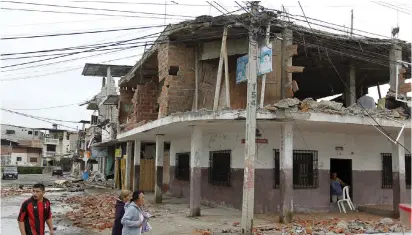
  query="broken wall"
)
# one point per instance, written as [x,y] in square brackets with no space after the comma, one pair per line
[125,104]
[177,91]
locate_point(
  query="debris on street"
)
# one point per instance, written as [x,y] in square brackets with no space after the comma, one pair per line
[12,191]
[92,211]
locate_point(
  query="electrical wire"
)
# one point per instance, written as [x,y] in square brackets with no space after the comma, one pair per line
[66,70]
[37,118]
[143,3]
[86,13]
[85,32]
[91,8]
[50,107]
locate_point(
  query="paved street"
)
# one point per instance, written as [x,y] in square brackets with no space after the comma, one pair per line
[10,206]
[46,179]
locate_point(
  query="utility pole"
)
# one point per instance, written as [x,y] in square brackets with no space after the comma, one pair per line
[351,23]
[250,142]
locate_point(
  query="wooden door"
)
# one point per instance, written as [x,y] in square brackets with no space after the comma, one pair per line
[147,175]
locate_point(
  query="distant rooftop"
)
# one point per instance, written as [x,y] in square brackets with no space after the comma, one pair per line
[100,70]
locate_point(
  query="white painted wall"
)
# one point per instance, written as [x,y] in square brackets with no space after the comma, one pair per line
[21,133]
[364,149]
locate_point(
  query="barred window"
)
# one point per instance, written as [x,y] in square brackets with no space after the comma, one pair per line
[387,180]
[182,170]
[276,170]
[408,170]
[219,167]
[305,169]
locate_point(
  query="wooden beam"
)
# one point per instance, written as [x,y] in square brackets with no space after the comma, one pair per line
[294,69]
[219,71]
[292,50]
[227,85]
[405,88]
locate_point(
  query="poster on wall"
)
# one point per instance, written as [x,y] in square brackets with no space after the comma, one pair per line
[118,153]
[265,60]
[242,69]
[99,152]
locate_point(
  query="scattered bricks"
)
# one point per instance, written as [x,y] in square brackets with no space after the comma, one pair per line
[8,192]
[235,224]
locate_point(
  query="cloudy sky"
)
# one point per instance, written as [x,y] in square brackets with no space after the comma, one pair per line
[35,88]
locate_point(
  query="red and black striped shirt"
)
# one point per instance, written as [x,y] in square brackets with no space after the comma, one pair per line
[34,214]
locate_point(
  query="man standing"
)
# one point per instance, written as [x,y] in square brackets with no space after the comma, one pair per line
[34,213]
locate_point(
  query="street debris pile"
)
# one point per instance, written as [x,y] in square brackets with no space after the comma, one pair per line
[14,191]
[69,185]
[92,211]
[332,107]
[323,227]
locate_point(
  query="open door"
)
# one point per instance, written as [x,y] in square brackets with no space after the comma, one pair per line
[343,168]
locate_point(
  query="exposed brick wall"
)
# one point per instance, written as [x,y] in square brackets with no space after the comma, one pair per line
[177,91]
[124,102]
[145,102]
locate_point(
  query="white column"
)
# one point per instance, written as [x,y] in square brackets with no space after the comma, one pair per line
[286,173]
[350,94]
[128,164]
[137,156]
[395,54]
[195,170]
[398,174]
[160,146]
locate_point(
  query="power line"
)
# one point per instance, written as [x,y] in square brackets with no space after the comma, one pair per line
[51,107]
[90,8]
[143,3]
[37,118]
[86,13]
[85,32]
[393,7]
[66,70]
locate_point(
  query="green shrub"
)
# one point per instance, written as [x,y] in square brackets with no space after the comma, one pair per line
[27,169]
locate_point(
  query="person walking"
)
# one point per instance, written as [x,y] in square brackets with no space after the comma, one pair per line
[124,199]
[133,217]
[35,212]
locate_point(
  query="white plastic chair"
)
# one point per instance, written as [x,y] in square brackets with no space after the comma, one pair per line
[346,198]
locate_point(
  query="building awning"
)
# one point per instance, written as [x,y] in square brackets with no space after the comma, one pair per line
[111,100]
[107,143]
[100,70]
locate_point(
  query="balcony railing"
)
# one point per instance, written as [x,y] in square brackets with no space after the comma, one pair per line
[51,141]
[49,153]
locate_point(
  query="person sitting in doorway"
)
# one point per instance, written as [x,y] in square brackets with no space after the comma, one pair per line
[336,187]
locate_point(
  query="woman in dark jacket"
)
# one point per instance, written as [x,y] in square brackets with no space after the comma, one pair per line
[120,203]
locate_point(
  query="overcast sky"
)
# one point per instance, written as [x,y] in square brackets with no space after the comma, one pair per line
[32,88]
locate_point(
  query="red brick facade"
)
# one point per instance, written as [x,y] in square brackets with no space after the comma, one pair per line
[177,91]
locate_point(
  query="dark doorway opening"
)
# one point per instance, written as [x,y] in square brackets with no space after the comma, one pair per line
[343,168]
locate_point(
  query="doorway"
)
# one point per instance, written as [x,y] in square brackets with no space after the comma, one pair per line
[343,168]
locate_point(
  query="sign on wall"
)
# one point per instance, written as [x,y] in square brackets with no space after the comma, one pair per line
[98,152]
[118,153]
[265,61]
[242,69]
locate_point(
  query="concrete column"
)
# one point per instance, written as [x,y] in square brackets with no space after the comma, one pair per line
[286,173]
[160,147]
[395,54]
[129,154]
[350,94]
[398,173]
[137,156]
[195,170]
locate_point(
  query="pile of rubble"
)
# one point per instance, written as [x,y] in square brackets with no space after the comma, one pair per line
[70,186]
[92,211]
[12,191]
[327,226]
[332,107]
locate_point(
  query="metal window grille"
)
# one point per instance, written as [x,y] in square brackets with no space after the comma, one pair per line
[182,169]
[276,170]
[387,180]
[408,170]
[305,169]
[219,167]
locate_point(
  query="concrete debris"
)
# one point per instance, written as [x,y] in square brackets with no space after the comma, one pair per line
[332,107]
[92,211]
[331,226]
[8,192]
[69,185]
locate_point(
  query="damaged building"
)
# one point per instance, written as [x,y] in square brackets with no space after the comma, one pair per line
[181,103]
